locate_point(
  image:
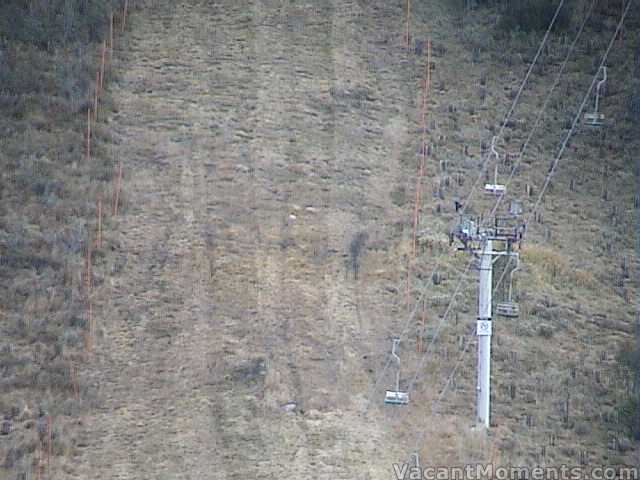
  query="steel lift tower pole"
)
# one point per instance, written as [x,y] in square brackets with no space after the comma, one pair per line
[483,332]
[479,241]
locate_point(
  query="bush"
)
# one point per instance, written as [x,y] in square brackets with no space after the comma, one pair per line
[399,196]
[634,103]
[629,412]
[532,15]
[55,22]
[545,331]
[629,409]
[46,48]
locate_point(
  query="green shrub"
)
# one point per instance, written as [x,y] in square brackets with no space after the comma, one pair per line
[399,196]
[629,412]
[48,52]
[532,15]
[634,101]
[629,409]
[55,22]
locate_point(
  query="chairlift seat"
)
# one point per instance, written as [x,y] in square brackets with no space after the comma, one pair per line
[393,397]
[396,397]
[494,189]
[515,208]
[508,309]
[594,119]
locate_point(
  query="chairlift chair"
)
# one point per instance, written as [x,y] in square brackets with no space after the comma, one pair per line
[495,188]
[396,397]
[510,308]
[596,119]
[515,208]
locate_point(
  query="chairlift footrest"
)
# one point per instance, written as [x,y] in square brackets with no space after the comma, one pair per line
[396,398]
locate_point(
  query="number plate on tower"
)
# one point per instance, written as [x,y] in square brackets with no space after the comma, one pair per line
[483,327]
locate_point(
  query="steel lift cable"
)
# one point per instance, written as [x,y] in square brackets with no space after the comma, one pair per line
[532,132]
[562,148]
[468,198]
[542,110]
[561,151]
[438,400]
[582,105]
[513,105]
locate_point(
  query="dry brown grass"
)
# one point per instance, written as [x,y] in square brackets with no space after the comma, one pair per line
[549,267]
[334,336]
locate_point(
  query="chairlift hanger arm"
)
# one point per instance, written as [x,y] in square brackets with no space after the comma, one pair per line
[511,276]
[493,147]
[604,79]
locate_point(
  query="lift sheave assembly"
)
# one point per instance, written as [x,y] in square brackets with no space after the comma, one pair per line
[487,244]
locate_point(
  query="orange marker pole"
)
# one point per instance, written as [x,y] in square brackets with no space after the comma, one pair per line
[92,325]
[424,319]
[88,133]
[408,282]
[415,217]
[88,271]
[116,197]
[418,203]
[425,113]
[110,39]
[408,16]
[427,88]
[99,241]
[77,383]
[49,443]
[102,64]
[95,98]
[429,66]
[426,106]
[421,328]
[89,343]
[124,14]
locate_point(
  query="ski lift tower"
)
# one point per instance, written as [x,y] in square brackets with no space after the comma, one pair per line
[479,241]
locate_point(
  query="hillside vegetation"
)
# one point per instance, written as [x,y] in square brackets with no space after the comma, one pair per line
[246,293]
[49,57]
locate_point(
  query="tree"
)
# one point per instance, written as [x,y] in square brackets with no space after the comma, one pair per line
[50,23]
